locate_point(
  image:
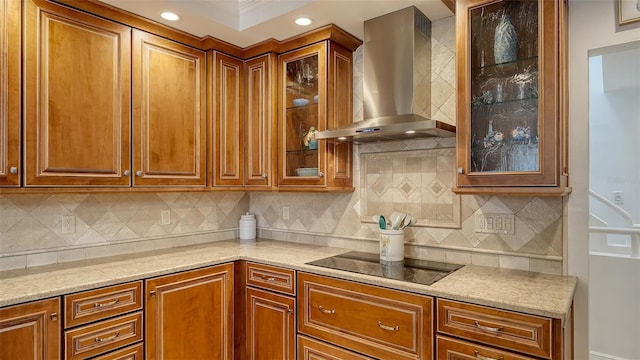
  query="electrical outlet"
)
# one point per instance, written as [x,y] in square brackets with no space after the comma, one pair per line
[618,197]
[67,224]
[165,217]
[285,212]
[495,224]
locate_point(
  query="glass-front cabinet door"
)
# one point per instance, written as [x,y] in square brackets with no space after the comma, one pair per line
[510,90]
[302,113]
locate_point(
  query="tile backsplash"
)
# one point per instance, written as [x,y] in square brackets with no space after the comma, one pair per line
[31,231]
[111,224]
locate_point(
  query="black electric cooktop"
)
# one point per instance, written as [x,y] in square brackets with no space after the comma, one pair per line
[410,270]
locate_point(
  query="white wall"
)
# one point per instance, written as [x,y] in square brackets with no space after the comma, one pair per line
[592,24]
[614,311]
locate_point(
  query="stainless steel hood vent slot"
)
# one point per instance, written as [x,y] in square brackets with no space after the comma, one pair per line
[397,82]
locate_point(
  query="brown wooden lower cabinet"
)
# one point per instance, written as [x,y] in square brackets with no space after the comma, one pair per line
[31,331]
[378,322]
[311,349]
[271,330]
[453,349]
[189,315]
[135,352]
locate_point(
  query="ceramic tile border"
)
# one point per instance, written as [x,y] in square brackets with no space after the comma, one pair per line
[13,262]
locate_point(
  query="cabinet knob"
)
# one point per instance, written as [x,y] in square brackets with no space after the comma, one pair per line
[460,171]
[127,173]
[320,173]
[53,316]
[13,170]
[139,173]
[264,176]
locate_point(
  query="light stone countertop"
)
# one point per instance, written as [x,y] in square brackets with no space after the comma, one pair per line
[523,291]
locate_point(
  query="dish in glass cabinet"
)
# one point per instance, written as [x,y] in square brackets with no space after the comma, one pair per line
[307,171]
[300,102]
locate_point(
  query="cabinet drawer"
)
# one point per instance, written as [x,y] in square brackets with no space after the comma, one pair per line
[272,278]
[378,322]
[506,329]
[98,338]
[135,352]
[310,349]
[88,306]
[452,349]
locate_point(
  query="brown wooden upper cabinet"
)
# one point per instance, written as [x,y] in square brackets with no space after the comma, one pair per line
[315,94]
[78,113]
[511,66]
[244,114]
[169,112]
[10,88]
[260,125]
[76,98]
[227,100]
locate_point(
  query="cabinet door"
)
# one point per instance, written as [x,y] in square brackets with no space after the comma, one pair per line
[271,331]
[169,112]
[260,130]
[302,111]
[510,93]
[340,95]
[30,331]
[10,87]
[228,121]
[77,90]
[189,315]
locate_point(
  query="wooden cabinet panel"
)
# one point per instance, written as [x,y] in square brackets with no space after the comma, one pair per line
[378,322]
[453,349]
[10,91]
[228,122]
[169,112]
[271,278]
[261,116]
[77,90]
[339,155]
[135,352]
[85,307]
[311,349]
[271,330]
[103,336]
[189,315]
[30,331]
[505,329]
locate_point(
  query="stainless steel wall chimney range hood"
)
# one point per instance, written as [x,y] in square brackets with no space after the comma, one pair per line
[397,82]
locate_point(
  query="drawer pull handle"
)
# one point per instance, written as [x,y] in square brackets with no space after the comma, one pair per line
[480,357]
[111,303]
[268,278]
[53,316]
[326,311]
[488,328]
[388,328]
[110,338]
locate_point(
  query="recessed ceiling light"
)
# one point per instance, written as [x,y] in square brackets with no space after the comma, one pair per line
[167,15]
[303,21]
[342,138]
[410,132]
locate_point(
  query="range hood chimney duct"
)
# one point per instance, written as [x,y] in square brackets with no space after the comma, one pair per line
[397,82]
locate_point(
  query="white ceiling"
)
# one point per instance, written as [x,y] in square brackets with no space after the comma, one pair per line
[247,22]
